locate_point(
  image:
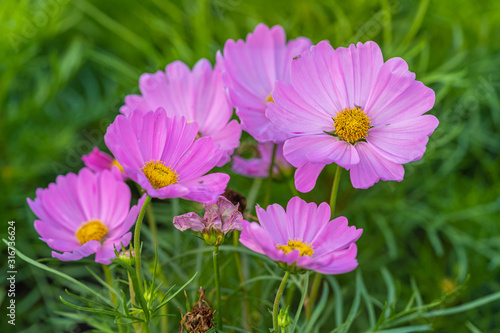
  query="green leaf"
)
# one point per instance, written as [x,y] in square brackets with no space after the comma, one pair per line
[302,299]
[60,274]
[337,296]
[408,329]
[318,309]
[89,301]
[94,310]
[464,307]
[175,294]
[391,291]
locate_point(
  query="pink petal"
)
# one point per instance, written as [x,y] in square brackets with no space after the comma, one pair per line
[305,219]
[88,193]
[311,76]
[254,167]
[396,95]
[189,221]
[333,263]
[83,251]
[404,141]
[196,161]
[97,160]
[251,69]
[125,224]
[207,188]
[179,138]
[212,109]
[122,141]
[274,221]
[113,199]
[334,236]
[257,239]
[306,176]
[373,167]
[354,72]
[292,115]
[63,240]
[322,148]
[134,102]
[152,87]
[228,139]
[106,252]
[171,191]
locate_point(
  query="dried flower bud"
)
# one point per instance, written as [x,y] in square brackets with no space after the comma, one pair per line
[236,198]
[219,219]
[200,319]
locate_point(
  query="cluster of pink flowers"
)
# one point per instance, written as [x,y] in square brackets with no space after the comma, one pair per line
[312,105]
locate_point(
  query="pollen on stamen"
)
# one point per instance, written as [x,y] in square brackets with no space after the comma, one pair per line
[305,249]
[159,175]
[115,162]
[269,98]
[351,124]
[92,230]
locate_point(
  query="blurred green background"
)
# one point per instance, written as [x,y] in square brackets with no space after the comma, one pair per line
[65,68]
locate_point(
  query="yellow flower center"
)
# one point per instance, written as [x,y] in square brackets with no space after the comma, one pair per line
[269,98]
[115,162]
[297,244]
[352,124]
[92,230]
[159,175]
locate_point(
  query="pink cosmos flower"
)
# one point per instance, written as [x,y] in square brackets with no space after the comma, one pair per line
[251,69]
[98,161]
[163,157]
[219,219]
[197,95]
[303,237]
[259,167]
[346,106]
[84,214]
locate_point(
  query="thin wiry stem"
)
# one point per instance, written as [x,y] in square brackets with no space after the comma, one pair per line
[277,301]
[137,242]
[218,318]
[317,277]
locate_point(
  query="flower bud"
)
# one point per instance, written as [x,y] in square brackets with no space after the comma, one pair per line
[127,256]
[213,237]
[219,219]
[283,318]
[150,294]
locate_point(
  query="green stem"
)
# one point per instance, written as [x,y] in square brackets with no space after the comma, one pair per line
[317,277]
[277,301]
[137,242]
[152,225]
[335,188]
[267,198]
[313,295]
[132,300]
[109,281]
[154,235]
[218,319]
[131,290]
[245,305]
